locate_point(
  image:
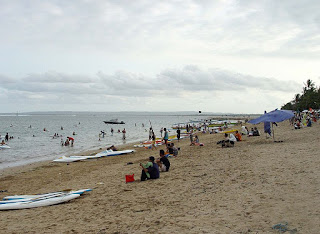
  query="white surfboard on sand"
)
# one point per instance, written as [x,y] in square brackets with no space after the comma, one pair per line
[32,196]
[38,202]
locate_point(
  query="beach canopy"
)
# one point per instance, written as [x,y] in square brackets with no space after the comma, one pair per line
[273,116]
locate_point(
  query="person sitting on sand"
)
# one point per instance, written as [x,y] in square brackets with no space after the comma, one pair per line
[255,132]
[195,140]
[174,149]
[2,142]
[232,137]
[163,162]
[297,124]
[150,170]
[112,148]
[169,150]
[244,130]
[227,142]
[238,136]
[309,122]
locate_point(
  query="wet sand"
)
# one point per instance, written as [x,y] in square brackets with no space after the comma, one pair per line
[247,188]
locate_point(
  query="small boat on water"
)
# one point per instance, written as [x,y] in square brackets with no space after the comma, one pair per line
[114,121]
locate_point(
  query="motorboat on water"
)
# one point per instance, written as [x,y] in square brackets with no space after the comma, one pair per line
[114,121]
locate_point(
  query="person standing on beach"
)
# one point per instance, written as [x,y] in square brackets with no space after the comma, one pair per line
[7,137]
[161,131]
[150,133]
[166,136]
[178,134]
[111,131]
[191,136]
[153,137]
[124,134]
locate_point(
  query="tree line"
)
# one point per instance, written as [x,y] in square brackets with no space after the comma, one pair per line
[309,98]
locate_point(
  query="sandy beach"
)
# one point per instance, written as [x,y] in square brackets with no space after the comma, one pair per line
[244,189]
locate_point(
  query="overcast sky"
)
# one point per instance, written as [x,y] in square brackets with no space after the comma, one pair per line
[144,55]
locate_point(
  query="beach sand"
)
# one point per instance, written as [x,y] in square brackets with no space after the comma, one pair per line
[244,189]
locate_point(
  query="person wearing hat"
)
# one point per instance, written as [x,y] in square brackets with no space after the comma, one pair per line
[150,170]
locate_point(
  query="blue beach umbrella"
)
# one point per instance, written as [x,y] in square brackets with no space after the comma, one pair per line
[274,116]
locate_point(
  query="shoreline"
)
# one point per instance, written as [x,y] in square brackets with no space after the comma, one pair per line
[31,166]
[246,188]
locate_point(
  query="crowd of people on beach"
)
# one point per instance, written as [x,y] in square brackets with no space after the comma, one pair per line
[304,119]
[152,169]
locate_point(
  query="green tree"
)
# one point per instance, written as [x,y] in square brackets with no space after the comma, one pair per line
[310,98]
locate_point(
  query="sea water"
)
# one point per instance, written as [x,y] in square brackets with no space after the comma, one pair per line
[31,143]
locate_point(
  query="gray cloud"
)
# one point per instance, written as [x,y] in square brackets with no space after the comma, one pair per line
[193,78]
[170,81]
[270,28]
[56,77]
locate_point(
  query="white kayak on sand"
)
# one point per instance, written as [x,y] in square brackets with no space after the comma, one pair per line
[38,202]
[107,153]
[68,159]
[5,147]
[85,157]
[74,158]
[21,197]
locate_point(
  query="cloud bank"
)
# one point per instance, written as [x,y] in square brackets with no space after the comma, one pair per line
[206,88]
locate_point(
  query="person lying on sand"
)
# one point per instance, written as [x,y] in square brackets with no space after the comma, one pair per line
[150,170]
[112,148]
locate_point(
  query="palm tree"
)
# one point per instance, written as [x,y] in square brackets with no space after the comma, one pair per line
[297,98]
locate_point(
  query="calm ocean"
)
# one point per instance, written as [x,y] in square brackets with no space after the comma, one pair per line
[34,145]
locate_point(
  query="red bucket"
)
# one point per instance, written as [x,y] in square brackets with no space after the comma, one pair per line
[129,178]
